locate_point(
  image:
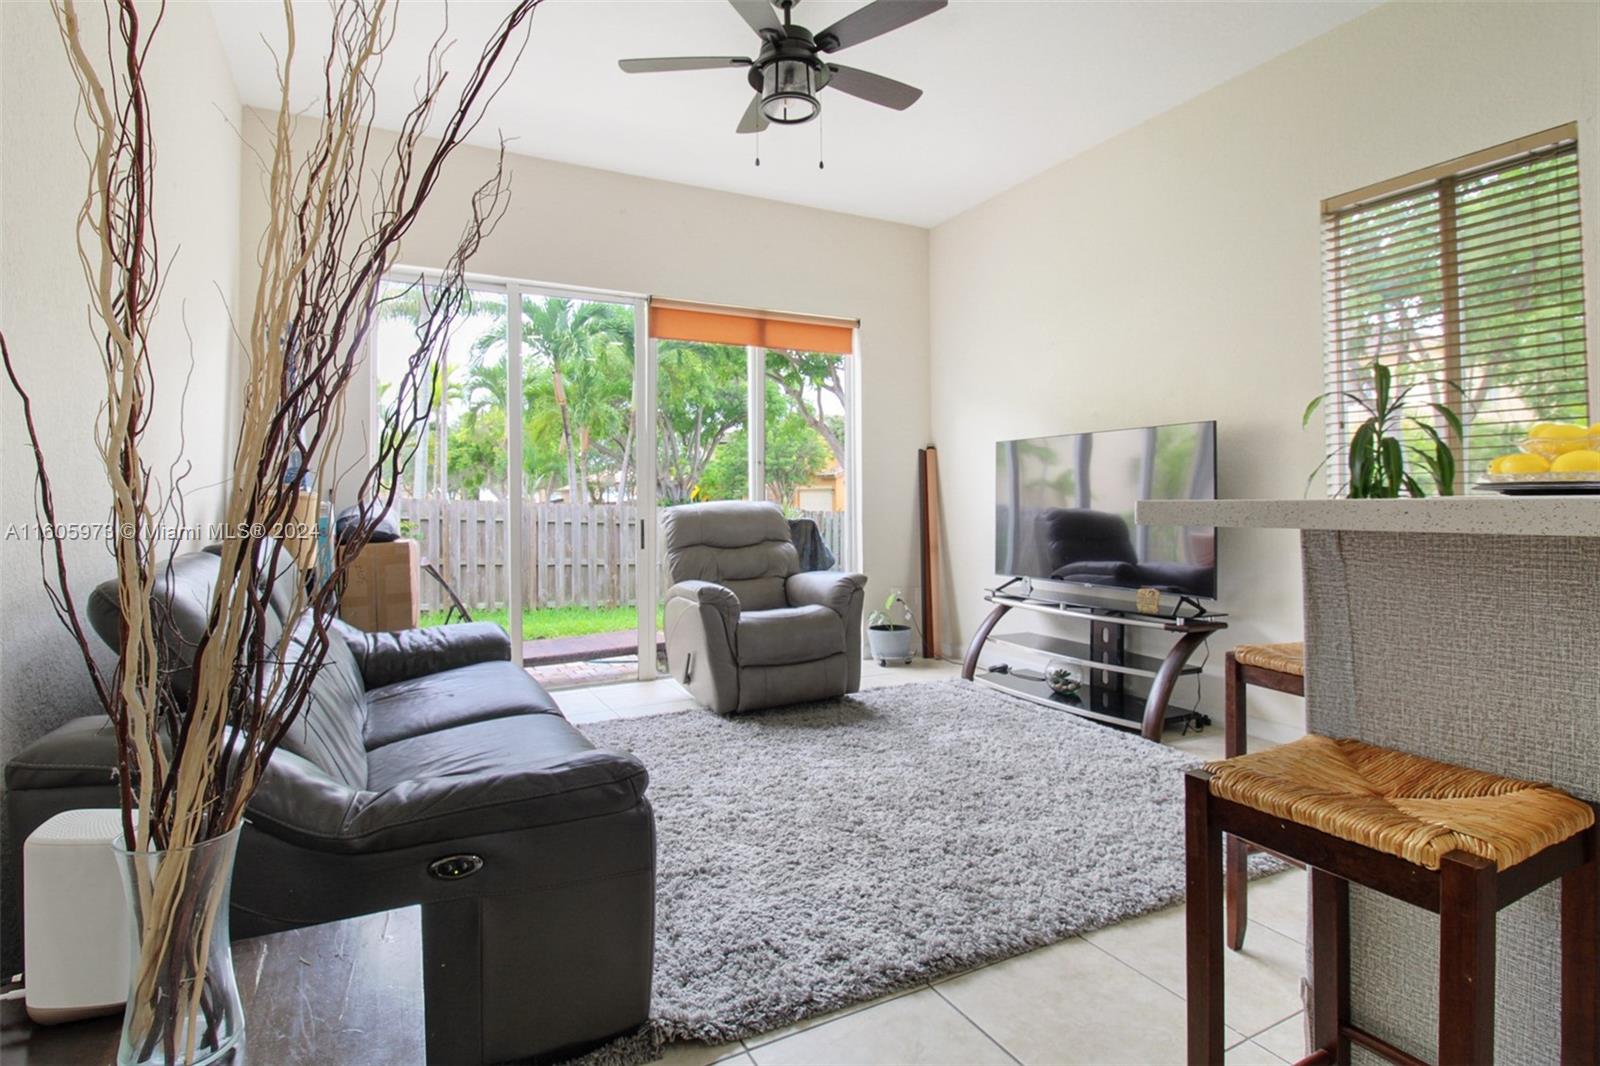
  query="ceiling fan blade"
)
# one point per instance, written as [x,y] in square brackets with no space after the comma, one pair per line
[656,66]
[759,14]
[753,121]
[874,20]
[874,88]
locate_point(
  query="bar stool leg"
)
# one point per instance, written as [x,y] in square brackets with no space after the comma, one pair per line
[1235,871]
[1203,873]
[1236,878]
[1330,964]
[1580,958]
[1467,907]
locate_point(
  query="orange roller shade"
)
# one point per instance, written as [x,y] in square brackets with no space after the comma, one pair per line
[680,323]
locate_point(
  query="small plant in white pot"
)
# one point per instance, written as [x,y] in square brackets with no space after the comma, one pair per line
[889,630]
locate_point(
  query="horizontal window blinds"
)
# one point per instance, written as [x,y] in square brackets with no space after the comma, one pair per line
[1469,287]
[717,325]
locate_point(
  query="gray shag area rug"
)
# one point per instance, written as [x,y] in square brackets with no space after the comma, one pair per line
[821,855]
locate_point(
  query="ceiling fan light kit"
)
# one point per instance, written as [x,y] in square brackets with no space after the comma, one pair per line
[789,71]
[788,91]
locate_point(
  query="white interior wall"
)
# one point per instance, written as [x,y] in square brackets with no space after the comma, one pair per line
[1174,272]
[573,226]
[42,311]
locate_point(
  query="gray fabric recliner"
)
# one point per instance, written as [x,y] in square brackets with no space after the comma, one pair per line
[745,628]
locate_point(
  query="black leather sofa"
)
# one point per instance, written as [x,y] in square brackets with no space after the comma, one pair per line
[428,769]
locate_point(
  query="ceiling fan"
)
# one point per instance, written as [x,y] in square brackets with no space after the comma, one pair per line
[789,70]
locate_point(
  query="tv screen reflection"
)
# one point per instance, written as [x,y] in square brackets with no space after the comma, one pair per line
[1064,508]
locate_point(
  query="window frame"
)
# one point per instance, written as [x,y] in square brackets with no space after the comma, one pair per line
[1444,178]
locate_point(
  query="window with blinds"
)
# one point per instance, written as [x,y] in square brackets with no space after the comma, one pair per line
[1466,280]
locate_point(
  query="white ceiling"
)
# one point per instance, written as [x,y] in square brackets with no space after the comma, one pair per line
[1012,87]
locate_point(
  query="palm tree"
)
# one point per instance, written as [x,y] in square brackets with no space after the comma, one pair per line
[561,338]
[406,301]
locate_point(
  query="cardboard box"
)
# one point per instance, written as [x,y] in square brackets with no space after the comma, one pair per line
[382,589]
[300,538]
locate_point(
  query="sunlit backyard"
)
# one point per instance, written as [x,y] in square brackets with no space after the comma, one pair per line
[582,499]
[547,622]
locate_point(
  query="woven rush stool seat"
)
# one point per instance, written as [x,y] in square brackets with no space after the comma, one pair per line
[1405,805]
[1459,842]
[1289,658]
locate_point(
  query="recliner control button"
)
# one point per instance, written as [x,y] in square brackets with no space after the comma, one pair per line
[455,867]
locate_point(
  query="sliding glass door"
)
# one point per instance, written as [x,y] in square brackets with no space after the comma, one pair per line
[559,430]
[523,490]
[580,517]
[452,491]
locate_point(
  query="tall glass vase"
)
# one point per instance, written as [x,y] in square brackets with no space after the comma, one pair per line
[183,1003]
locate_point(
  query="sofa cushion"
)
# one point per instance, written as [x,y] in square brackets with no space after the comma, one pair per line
[497,747]
[789,635]
[388,658]
[452,698]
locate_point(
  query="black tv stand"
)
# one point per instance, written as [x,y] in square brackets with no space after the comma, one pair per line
[1104,696]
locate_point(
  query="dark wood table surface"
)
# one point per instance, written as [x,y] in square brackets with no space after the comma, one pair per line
[346,992]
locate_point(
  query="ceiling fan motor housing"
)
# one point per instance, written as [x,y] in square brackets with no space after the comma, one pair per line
[787,74]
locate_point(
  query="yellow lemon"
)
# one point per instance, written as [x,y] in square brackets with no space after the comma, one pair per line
[1573,462]
[1551,439]
[1557,431]
[1499,461]
[1522,463]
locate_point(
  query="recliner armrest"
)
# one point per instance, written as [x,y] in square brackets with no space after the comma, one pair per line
[389,658]
[709,594]
[825,588]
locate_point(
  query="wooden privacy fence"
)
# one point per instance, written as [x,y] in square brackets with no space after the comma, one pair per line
[573,554]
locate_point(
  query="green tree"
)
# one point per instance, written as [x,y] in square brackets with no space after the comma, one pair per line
[702,399]
[795,454]
[578,347]
[804,378]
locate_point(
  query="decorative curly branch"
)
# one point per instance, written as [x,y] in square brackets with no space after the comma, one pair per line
[190,756]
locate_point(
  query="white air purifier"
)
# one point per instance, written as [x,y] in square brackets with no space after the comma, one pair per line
[75,920]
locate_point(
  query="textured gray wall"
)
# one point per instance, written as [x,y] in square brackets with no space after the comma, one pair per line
[1479,651]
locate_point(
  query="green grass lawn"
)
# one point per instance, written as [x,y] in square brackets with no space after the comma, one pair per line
[545,622]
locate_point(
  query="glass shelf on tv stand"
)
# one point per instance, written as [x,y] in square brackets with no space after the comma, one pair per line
[1108,611]
[1121,710]
[1079,653]
[1105,659]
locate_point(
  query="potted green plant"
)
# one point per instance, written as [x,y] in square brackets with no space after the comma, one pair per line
[1376,458]
[889,630]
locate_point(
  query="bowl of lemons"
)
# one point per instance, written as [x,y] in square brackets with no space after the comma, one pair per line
[1560,455]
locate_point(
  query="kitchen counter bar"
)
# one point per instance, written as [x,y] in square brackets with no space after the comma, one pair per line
[1461,629]
[1523,516]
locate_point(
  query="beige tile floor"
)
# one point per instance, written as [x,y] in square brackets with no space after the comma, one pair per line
[1111,996]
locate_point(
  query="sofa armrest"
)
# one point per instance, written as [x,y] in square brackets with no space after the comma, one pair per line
[827,588]
[389,658]
[299,803]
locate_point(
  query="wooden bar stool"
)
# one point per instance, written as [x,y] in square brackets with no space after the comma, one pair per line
[1282,668]
[1459,842]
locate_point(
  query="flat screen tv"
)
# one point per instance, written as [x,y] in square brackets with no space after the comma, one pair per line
[1064,508]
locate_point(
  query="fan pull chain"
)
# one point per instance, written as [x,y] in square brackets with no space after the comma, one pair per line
[819,140]
[758,148]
